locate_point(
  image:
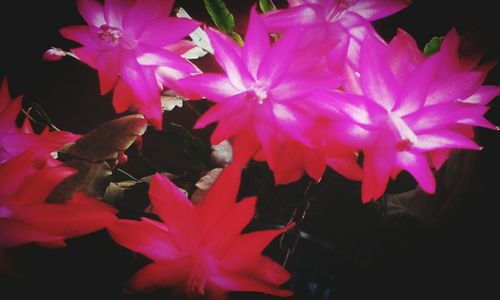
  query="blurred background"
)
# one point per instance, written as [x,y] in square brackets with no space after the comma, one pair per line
[408,245]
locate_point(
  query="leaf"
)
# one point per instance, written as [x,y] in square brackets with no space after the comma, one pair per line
[237,38]
[92,179]
[104,142]
[221,16]
[266,5]
[433,45]
[93,156]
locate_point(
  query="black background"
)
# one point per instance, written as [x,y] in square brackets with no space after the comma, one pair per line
[456,258]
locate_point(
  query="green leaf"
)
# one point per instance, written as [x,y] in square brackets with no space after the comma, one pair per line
[433,45]
[266,5]
[221,16]
[237,38]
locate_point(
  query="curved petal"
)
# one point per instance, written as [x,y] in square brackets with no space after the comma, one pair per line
[92,12]
[221,197]
[166,31]
[85,35]
[214,87]
[257,43]
[299,16]
[229,107]
[275,64]
[377,80]
[228,56]
[417,166]
[114,12]
[175,210]
[376,9]
[145,238]
[15,233]
[107,67]
[159,275]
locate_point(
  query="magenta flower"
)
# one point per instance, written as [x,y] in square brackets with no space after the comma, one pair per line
[335,17]
[26,218]
[411,110]
[14,141]
[199,250]
[127,41]
[260,100]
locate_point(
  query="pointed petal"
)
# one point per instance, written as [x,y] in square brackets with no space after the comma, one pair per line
[377,80]
[444,139]
[231,126]
[138,16]
[159,275]
[78,216]
[376,9]
[87,56]
[454,87]
[228,56]
[163,32]
[16,169]
[123,97]
[299,16]
[413,94]
[346,166]
[278,59]
[315,164]
[140,79]
[214,87]
[417,166]
[404,56]
[107,66]
[377,167]
[4,95]
[220,197]
[257,43]
[218,239]
[85,35]
[229,107]
[236,282]
[294,121]
[295,86]
[439,157]
[484,95]
[245,146]
[92,12]
[15,233]
[175,210]
[145,238]
[114,12]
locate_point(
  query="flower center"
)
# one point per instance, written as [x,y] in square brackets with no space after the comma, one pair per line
[5,212]
[259,91]
[198,278]
[109,34]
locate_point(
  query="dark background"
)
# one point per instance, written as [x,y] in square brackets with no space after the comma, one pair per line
[365,254]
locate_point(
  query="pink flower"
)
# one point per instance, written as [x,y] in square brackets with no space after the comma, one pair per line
[26,218]
[199,250]
[14,141]
[334,16]
[410,110]
[127,41]
[261,100]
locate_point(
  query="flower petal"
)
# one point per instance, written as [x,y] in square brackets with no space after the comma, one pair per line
[228,55]
[229,107]
[257,43]
[166,31]
[15,233]
[175,210]
[145,238]
[376,9]
[214,87]
[92,12]
[416,164]
[159,275]
[107,66]
[377,80]
[299,16]
[114,12]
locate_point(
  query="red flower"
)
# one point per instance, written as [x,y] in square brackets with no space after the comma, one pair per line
[199,249]
[26,218]
[14,141]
